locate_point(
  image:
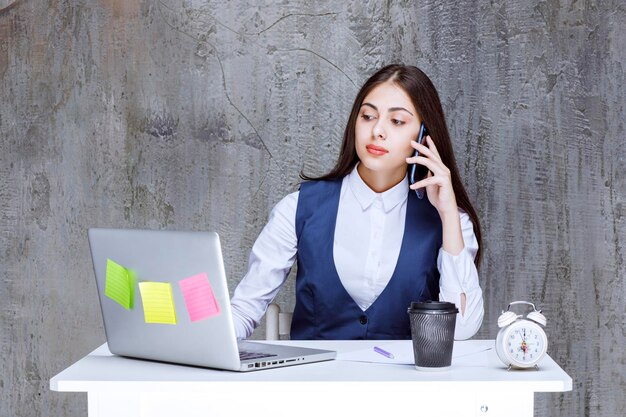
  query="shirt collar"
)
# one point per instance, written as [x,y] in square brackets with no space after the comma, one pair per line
[366,196]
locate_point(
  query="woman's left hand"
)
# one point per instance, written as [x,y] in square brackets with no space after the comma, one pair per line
[438,182]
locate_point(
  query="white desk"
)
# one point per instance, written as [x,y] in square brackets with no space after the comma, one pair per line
[476,385]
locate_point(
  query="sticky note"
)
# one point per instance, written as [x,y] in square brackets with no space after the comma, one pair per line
[119,284]
[199,297]
[158,302]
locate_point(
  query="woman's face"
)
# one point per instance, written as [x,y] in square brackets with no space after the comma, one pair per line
[386,124]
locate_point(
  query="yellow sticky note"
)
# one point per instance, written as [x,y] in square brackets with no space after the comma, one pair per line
[158,302]
[119,284]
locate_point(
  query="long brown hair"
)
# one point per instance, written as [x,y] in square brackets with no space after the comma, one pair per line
[426,101]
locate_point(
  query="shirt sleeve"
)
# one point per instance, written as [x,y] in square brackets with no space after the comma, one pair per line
[459,276]
[271,259]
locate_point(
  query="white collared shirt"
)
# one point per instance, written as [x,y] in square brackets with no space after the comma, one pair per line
[369,226]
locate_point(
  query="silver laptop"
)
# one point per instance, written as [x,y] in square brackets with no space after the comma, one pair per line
[164,297]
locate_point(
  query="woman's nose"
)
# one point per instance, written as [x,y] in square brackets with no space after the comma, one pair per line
[379,131]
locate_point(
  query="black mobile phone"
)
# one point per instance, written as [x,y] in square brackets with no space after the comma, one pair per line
[419,172]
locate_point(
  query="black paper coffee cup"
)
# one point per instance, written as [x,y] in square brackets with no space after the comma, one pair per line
[432,331]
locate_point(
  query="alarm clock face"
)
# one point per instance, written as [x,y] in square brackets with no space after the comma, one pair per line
[524,343]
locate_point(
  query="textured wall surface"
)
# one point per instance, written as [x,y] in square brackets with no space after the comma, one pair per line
[196,115]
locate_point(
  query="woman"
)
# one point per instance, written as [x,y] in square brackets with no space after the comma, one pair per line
[366,245]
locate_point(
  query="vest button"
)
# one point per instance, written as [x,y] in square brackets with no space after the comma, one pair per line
[363,319]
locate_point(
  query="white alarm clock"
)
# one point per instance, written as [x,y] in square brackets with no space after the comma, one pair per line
[521,342]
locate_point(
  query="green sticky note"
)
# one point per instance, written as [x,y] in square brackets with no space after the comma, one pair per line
[158,302]
[120,284]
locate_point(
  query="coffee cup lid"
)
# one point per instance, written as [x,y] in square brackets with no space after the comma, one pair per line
[433,307]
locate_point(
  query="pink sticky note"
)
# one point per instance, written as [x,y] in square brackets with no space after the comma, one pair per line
[199,297]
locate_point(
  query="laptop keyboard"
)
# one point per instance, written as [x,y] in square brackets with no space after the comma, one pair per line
[243,355]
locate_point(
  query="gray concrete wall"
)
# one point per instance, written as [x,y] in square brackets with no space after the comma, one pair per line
[199,115]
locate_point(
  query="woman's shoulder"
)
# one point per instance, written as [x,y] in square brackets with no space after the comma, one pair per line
[288,202]
[320,185]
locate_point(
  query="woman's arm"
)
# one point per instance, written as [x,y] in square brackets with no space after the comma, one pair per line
[459,278]
[453,242]
[459,281]
[271,259]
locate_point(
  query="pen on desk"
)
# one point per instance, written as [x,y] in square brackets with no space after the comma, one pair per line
[383,352]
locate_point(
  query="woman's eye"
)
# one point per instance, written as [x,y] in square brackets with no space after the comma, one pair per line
[367,117]
[397,122]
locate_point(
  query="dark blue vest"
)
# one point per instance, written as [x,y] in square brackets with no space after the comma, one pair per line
[324,309]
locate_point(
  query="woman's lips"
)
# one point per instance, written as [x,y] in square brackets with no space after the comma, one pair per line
[376,150]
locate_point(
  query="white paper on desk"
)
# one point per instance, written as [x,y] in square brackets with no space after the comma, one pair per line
[403,353]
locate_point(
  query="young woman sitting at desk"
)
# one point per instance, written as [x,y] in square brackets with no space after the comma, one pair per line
[365,244]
